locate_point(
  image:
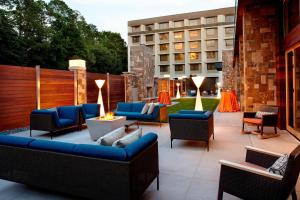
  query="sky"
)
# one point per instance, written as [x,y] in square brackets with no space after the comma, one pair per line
[113,15]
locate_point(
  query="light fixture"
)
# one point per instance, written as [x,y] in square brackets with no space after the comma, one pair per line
[100,83]
[76,64]
[219,90]
[178,93]
[167,76]
[198,81]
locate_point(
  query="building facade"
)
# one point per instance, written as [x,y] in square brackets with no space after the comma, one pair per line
[185,45]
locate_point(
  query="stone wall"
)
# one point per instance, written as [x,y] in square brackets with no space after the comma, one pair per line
[228,71]
[81,87]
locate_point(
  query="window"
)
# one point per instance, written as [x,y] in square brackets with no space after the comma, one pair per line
[164,25]
[194,22]
[178,24]
[164,58]
[229,31]
[179,68]
[178,35]
[149,38]
[211,32]
[194,67]
[164,36]
[211,66]
[195,34]
[164,68]
[164,47]
[149,27]
[211,55]
[178,46]
[229,43]
[211,20]
[151,47]
[229,18]
[135,39]
[211,44]
[135,28]
[194,56]
[195,45]
[179,57]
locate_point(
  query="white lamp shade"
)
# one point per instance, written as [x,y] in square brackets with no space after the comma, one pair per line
[177,84]
[219,84]
[100,83]
[198,80]
[77,64]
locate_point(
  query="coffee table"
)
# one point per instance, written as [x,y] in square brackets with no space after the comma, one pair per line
[129,123]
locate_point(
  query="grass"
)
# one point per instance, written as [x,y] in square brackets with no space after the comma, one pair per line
[189,104]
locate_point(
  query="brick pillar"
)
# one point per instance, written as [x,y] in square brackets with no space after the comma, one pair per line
[81,87]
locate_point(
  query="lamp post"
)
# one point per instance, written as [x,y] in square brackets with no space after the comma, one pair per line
[198,81]
[100,83]
[219,90]
[178,93]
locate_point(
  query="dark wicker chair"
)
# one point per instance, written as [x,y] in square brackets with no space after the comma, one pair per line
[266,120]
[250,180]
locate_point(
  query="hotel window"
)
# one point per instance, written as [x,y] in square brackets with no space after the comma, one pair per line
[194,22]
[229,18]
[164,68]
[164,47]
[194,56]
[149,27]
[179,57]
[178,46]
[149,38]
[195,45]
[211,20]
[163,36]
[178,35]
[212,55]
[164,58]
[135,39]
[179,68]
[135,28]
[211,32]
[229,43]
[164,25]
[195,34]
[211,66]
[211,44]
[178,24]
[194,67]
[229,31]
[151,47]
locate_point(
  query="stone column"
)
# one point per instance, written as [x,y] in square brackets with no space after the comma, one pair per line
[79,69]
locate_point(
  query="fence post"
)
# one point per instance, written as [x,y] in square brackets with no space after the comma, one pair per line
[108,91]
[75,87]
[38,86]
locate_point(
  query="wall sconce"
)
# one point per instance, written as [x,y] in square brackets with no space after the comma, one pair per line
[198,81]
[100,83]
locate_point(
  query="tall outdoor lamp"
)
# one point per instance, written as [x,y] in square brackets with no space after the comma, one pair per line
[100,83]
[198,81]
[178,93]
[219,90]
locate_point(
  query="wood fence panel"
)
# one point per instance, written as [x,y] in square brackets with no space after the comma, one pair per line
[17,96]
[117,90]
[56,88]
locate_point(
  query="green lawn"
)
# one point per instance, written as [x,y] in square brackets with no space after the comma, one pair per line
[189,104]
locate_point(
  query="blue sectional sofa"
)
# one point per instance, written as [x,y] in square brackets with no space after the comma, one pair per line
[84,170]
[133,111]
[192,125]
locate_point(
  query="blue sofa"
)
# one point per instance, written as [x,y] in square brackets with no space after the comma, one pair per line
[84,170]
[133,111]
[192,125]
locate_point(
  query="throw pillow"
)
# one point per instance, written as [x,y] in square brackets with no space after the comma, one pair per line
[128,139]
[145,109]
[259,114]
[111,137]
[279,165]
[151,108]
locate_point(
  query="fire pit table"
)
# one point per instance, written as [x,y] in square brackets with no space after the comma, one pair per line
[100,126]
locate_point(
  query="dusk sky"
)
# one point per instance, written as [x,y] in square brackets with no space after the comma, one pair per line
[113,15]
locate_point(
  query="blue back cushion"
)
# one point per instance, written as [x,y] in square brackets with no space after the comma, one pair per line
[191,112]
[134,148]
[55,146]
[97,151]
[15,141]
[68,112]
[126,107]
[137,107]
[91,108]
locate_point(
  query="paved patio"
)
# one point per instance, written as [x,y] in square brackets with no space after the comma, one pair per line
[188,171]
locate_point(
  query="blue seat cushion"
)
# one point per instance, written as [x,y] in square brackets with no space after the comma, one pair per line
[55,146]
[66,122]
[188,116]
[134,148]
[15,141]
[137,107]
[128,114]
[88,116]
[126,107]
[191,112]
[105,152]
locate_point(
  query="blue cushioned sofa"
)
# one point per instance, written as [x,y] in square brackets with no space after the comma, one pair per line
[84,170]
[192,125]
[133,111]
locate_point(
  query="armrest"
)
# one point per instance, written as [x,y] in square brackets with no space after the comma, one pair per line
[261,157]
[45,119]
[251,170]
[249,114]
[270,119]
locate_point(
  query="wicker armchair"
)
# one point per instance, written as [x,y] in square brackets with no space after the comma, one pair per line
[251,180]
[266,120]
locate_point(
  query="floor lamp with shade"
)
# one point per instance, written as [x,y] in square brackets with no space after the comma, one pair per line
[178,92]
[100,83]
[198,81]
